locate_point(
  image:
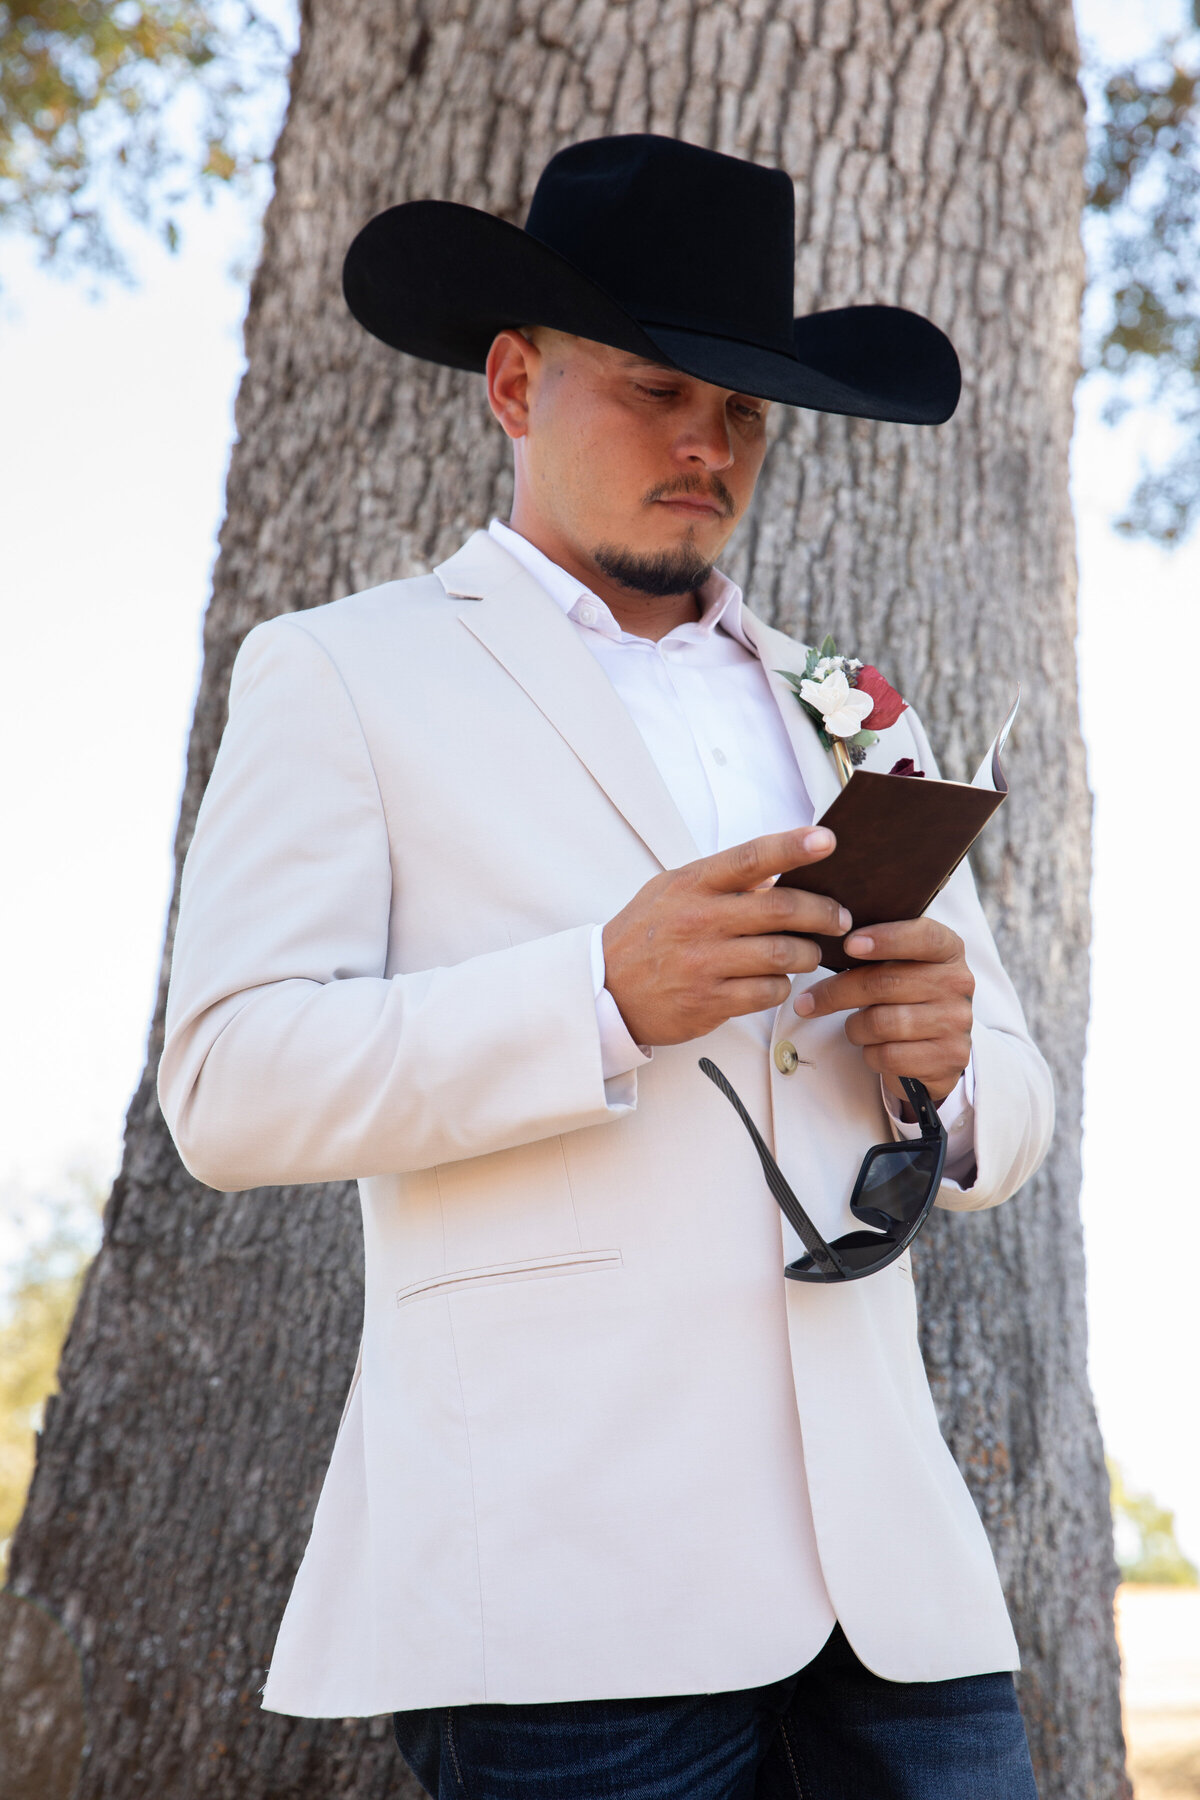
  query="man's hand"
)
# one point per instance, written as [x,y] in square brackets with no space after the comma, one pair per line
[704,943]
[912,1008]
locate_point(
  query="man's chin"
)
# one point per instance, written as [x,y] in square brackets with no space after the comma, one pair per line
[677,568]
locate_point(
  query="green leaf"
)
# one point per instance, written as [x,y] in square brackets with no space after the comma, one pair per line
[828,648]
[862,740]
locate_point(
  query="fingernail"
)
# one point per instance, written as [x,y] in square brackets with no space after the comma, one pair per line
[860,946]
[804,1005]
[818,840]
[844,919]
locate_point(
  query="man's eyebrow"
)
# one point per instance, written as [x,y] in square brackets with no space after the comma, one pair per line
[650,362]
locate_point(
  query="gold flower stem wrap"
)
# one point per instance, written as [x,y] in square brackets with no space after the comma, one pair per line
[841,757]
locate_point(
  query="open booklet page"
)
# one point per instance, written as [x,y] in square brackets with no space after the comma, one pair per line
[989,774]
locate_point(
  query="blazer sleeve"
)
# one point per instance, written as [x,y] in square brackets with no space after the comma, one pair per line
[1014,1092]
[290,1054]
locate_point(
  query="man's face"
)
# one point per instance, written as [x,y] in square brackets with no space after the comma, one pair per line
[633,468]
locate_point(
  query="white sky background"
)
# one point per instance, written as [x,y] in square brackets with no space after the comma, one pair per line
[117,421]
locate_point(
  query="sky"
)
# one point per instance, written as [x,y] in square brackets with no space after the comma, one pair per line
[118,423]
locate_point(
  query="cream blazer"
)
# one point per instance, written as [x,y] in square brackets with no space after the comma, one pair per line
[596,1445]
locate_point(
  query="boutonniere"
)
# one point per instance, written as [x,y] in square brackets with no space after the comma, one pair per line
[848,701]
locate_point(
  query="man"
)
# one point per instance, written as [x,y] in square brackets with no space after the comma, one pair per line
[486,865]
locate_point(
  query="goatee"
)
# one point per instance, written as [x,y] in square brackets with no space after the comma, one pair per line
[679,571]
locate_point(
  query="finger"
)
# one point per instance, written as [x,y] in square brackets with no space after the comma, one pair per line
[932,1062]
[907,940]
[745,866]
[776,909]
[749,956]
[752,994]
[898,984]
[909,1024]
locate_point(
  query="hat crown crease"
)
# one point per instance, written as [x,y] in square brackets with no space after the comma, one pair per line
[623,211]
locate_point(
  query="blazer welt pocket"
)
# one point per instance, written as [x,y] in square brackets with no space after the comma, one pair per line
[569,1262]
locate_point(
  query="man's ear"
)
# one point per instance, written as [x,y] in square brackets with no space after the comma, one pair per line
[512,360]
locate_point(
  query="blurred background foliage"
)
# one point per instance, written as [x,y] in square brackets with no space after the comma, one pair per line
[1147,1550]
[1143,238]
[115,110]
[61,1230]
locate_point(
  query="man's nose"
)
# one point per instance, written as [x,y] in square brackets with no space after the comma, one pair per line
[707,441]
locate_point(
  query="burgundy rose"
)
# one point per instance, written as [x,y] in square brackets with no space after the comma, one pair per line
[906,766]
[888,704]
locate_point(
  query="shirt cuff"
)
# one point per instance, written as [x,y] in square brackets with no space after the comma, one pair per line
[957,1113]
[619,1055]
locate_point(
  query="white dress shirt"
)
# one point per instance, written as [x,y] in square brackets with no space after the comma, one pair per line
[702,703]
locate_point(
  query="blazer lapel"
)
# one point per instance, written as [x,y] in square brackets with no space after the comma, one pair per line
[777,651]
[532,638]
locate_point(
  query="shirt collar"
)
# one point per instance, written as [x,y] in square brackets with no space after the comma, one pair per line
[720,598]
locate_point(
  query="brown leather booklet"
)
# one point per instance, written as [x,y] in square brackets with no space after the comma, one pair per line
[900,837]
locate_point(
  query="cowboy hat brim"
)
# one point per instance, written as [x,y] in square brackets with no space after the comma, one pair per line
[439,281]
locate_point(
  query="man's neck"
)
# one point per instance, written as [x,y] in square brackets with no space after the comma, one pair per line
[649,616]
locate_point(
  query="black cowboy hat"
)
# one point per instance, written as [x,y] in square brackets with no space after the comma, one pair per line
[657,247]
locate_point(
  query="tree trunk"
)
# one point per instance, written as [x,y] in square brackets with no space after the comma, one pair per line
[937,150]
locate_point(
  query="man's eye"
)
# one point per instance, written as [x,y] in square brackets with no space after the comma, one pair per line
[657,393]
[747,412]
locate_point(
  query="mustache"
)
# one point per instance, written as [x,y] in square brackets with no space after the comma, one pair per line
[712,489]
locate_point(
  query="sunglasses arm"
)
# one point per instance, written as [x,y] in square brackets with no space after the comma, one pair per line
[822,1253]
[921,1103]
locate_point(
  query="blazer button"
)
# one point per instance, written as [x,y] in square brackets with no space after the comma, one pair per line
[786,1060]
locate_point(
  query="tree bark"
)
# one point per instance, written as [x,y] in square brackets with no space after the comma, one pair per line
[937,150]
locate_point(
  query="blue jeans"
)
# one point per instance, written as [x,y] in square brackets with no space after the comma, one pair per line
[833,1731]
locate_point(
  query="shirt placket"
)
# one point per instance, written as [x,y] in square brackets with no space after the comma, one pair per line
[694,701]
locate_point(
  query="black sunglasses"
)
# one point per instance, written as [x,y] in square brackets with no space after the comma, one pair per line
[896,1187]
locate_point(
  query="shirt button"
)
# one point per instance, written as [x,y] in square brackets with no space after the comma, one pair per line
[587,614]
[959,1123]
[720,757]
[786,1059]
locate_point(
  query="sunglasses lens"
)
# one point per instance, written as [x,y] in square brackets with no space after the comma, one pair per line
[858,1250]
[862,1248]
[895,1184]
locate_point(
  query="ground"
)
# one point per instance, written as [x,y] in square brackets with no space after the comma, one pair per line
[1159,1630]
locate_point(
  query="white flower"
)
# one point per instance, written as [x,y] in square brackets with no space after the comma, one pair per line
[842,708]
